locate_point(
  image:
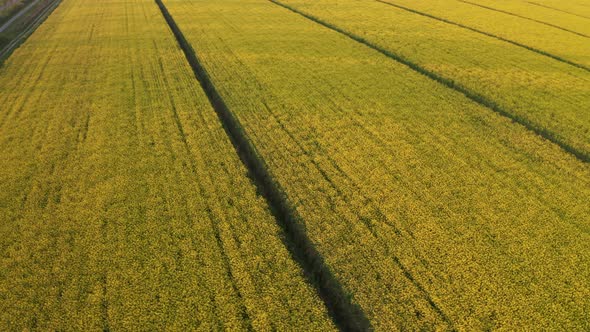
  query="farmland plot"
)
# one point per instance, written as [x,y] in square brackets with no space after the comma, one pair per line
[123,204]
[542,36]
[432,211]
[532,10]
[544,94]
[578,8]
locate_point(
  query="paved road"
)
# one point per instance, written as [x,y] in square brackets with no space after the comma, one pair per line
[7,4]
[17,15]
[16,41]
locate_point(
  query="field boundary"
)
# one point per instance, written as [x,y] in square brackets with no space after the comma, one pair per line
[524,18]
[474,96]
[557,9]
[530,48]
[345,314]
[23,35]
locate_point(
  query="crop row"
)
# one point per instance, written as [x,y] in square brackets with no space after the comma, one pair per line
[536,12]
[431,210]
[577,8]
[124,205]
[548,38]
[540,92]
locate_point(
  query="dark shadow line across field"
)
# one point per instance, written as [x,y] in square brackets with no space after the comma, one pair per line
[525,18]
[530,48]
[345,314]
[405,270]
[557,9]
[474,96]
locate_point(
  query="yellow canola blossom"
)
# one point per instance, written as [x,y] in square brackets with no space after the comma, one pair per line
[123,205]
[434,212]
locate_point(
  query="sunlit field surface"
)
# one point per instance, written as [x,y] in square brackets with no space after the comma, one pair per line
[298,165]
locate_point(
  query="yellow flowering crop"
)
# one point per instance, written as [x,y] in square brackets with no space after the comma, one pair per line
[433,211]
[123,204]
[538,91]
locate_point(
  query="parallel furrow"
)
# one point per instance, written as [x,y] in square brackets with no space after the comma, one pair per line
[557,9]
[476,97]
[533,49]
[345,314]
[525,18]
